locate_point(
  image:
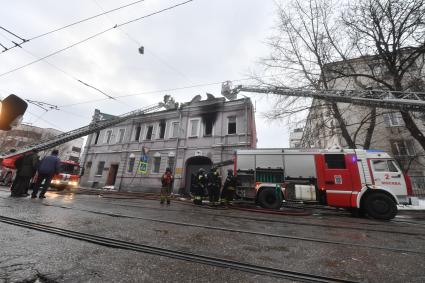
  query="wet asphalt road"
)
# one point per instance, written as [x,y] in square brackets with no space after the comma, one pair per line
[382,252]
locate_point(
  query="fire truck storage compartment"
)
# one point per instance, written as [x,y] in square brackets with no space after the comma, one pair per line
[306,192]
[299,166]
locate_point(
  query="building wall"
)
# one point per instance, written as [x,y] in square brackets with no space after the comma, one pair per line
[24,134]
[390,133]
[219,146]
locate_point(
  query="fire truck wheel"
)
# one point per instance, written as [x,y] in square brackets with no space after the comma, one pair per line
[268,198]
[380,206]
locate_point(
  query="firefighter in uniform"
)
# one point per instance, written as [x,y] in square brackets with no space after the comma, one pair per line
[214,185]
[167,181]
[229,188]
[199,183]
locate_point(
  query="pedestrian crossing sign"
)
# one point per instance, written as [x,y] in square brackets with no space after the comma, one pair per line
[143,167]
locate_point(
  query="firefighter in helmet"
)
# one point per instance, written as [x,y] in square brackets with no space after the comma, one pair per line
[167,183]
[199,183]
[229,188]
[214,186]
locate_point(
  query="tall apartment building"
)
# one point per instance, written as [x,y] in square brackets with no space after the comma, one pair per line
[134,154]
[25,134]
[390,134]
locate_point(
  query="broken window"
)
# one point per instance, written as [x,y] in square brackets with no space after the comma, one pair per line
[97,137]
[208,128]
[170,163]
[231,125]
[161,129]
[108,136]
[149,132]
[121,135]
[138,130]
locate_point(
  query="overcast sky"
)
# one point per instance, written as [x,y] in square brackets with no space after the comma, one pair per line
[201,42]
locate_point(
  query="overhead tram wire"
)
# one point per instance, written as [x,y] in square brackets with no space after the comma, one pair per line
[158,91]
[95,35]
[69,75]
[138,43]
[72,24]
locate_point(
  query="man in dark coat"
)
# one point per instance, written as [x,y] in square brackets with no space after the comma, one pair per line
[229,187]
[214,185]
[48,167]
[198,186]
[26,167]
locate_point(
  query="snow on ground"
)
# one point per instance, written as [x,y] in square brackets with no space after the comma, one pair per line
[421,206]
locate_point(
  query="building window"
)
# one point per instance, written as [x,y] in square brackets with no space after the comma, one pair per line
[76,149]
[131,164]
[108,136]
[121,135]
[174,130]
[208,127]
[193,128]
[96,139]
[335,161]
[156,164]
[149,132]
[88,166]
[402,148]
[392,119]
[138,130]
[170,163]
[100,167]
[231,125]
[161,130]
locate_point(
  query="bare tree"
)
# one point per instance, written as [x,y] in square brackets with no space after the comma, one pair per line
[390,36]
[308,41]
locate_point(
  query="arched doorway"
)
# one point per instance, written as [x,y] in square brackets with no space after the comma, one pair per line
[193,164]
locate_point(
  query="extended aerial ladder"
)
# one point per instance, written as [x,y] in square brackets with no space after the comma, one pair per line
[93,127]
[396,100]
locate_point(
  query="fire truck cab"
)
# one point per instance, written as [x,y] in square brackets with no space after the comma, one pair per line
[68,176]
[366,181]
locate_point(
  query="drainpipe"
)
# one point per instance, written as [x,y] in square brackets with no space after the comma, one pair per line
[126,156]
[246,121]
[177,146]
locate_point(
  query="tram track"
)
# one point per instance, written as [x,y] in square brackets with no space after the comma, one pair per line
[287,221]
[259,219]
[240,231]
[175,254]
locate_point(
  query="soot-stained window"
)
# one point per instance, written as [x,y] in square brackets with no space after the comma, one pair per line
[161,129]
[231,125]
[137,136]
[149,132]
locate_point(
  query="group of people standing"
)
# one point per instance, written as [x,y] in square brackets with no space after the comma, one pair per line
[31,172]
[209,183]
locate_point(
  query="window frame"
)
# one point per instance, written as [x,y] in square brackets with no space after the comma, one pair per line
[121,138]
[106,137]
[171,128]
[147,131]
[189,132]
[98,167]
[158,134]
[137,133]
[228,124]
[153,171]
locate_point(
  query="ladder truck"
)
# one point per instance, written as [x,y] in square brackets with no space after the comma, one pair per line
[8,158]
[362,181]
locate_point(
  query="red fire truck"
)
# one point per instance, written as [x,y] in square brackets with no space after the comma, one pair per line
[365,181]
[68,176]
